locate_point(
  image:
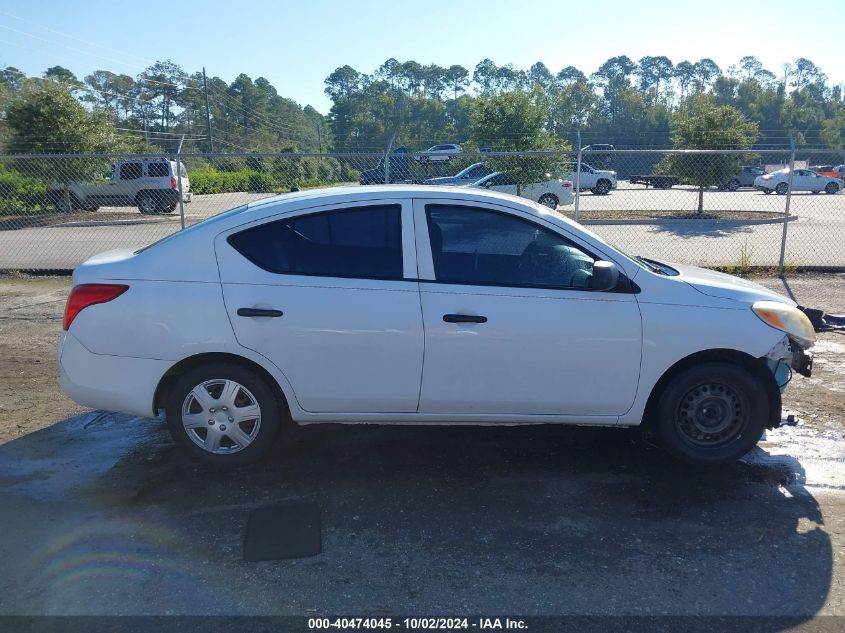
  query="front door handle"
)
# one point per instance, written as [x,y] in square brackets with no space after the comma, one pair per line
[464,318]
[259,312]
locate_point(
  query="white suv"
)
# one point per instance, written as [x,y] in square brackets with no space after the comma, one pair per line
[150,184]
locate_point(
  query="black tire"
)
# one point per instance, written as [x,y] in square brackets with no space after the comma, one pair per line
[734,185]
[781,189]
[831,188]
[602,187]
[172,207]
[273,413]
[711,413]
[550,200]
[147,204]
[767,191]
[59,203]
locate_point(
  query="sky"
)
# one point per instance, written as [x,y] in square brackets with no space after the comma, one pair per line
[295,45]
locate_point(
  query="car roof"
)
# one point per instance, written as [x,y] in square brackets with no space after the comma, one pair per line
[378,192]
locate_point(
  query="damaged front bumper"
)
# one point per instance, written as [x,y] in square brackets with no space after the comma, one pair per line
[787,356]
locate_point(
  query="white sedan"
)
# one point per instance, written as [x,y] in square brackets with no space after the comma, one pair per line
[437,153]
[422,305]
[551,193]
[802,180]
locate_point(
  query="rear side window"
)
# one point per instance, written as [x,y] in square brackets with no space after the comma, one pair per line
[363,242]
[158,170]
[131,171]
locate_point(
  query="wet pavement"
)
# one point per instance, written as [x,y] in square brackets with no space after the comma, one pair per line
[101,514]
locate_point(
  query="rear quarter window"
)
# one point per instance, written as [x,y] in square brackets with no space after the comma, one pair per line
[158,170]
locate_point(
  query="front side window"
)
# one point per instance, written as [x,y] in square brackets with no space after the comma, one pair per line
[479,246]
[131,171]
[363,242]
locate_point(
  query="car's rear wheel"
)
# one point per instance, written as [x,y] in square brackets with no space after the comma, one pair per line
[61,203]
[711,413]
[782,188]
[602,187]
[733,185]
[147,204]
[831,188]
[224,415]
[767,191]
[550,200]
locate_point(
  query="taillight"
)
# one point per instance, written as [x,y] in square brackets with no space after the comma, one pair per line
[173,184]
[86,295]
[566,185]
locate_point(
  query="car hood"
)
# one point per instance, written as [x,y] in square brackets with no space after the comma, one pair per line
[716,284]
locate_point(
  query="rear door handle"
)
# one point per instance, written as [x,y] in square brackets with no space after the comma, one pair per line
[464,318]
[259,312]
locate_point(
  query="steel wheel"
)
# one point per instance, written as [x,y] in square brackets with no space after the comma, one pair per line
[711,414]
[221,416]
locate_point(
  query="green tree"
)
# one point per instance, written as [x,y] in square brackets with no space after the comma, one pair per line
[515,122]
[47,119]
[702,125]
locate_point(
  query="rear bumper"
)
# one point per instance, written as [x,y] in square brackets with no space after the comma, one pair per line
[112,383]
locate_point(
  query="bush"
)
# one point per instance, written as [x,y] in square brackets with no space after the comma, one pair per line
[20,193]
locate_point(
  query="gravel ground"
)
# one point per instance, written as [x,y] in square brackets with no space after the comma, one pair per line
[102,515]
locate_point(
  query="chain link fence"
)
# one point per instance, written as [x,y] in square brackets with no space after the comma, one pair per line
[729,209]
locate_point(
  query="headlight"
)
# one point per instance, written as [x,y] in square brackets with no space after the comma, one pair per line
[786,319]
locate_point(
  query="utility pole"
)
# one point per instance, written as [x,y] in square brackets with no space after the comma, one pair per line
[320,136]
[207,111]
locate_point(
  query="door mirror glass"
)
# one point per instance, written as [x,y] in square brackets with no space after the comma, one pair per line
[605,276]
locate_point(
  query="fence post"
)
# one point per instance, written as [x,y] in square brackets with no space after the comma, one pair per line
[179,182]
[578,178]
[786,206]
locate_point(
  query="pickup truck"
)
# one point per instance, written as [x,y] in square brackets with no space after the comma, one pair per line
[149,184]
[658,181]
[599,181]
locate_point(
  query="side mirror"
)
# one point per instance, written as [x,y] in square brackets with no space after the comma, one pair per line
[605,276]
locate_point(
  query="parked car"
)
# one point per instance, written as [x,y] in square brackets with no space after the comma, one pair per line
[745,178]
[826,170]
[466,176]
[551,193]
[399,171]
[599,181]
[439,153]
[802,180]
[149,184]
[422,305]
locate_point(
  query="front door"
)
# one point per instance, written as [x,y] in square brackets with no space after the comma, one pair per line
[330,297]
[511,325]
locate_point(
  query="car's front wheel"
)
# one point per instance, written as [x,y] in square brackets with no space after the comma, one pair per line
[224,415]
[602,188]
[831,188]
[711,413]
[782,188]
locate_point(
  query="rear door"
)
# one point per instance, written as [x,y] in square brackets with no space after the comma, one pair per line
[130,178]
[330,296]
